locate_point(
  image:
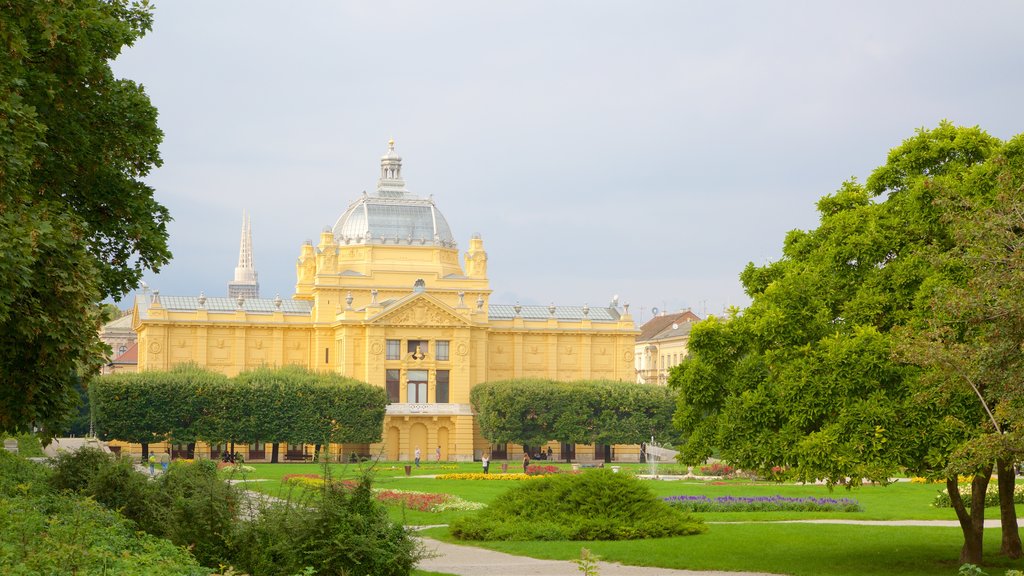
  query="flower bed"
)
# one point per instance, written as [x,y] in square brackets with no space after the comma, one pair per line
[424,501]
[762,504]
[540,469]
[717,469]
[991,496]
[482,476]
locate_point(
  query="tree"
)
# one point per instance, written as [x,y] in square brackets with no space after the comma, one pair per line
[971,340]
[535,411]
[77,224]
[805,379]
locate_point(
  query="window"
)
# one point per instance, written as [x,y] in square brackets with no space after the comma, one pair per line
[441,392]
[394,386]
[442,350]
[121,350]
[394,351]
[418,348]
[416,390]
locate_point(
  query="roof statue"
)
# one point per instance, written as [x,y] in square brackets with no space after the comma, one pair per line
[245,284]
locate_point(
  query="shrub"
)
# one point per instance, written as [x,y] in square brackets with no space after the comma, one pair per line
[74,470]
[595,505]
[199,510]
[19,476]
[68,534]
[340,530]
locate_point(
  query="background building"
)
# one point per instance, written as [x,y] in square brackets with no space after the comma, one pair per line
[662,343]
[382,297]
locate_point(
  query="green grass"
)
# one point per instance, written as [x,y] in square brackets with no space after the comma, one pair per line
[797,549]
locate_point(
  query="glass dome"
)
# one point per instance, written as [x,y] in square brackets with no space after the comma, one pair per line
[393,220]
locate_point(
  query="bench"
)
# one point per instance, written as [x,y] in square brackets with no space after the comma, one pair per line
[298,457]
[589,463]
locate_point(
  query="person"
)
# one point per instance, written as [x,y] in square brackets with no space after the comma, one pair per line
[165,460]
[486,462]
[152,464]
[549,452]
[526,461]
[437,453]
[417,455]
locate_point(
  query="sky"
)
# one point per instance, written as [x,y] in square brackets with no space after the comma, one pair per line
[645,149]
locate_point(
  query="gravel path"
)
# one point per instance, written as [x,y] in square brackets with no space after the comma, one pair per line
[472,561]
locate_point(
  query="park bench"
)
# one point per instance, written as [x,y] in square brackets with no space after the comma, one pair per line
[292,457]
[590,463]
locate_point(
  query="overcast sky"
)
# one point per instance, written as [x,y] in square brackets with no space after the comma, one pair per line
[645,149]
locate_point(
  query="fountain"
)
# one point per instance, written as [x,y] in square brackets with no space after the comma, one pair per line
[656,454]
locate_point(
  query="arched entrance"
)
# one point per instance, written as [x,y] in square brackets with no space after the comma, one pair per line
[418,439]
[442,441]
[393,443]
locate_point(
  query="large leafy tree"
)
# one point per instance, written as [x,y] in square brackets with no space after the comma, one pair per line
[77,223]
[805,379]
[971,341]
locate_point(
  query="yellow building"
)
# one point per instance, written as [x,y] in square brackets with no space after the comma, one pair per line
[663,343]
[382,297]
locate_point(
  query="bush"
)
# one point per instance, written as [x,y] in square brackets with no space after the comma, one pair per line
[19,476]
[68,534]
[199,510]
[595,505]
[342,530]
[74,470]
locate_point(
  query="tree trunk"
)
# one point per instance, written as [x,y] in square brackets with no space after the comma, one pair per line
[972,523]
[1011,546]
[273,453]
[316,452]
[145,452]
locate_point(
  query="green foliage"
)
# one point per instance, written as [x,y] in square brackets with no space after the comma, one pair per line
[77,223]
[595,505]
[67,534]
[75,470]
[198,510]
[339,531]
[271,405]
[535,411]
[19,476]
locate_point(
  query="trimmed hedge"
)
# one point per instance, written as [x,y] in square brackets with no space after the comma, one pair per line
[536,411]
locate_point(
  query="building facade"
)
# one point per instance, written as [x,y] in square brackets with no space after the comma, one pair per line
[383,297]
[663,343]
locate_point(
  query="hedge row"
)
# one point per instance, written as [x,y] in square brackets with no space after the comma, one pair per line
[536,411]
[189,403]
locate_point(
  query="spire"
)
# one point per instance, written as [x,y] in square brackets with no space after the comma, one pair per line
[391,182]
[245,283]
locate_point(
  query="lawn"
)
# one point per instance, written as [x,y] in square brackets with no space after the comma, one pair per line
[736,545]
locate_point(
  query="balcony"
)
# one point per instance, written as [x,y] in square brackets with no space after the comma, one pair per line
[420,409]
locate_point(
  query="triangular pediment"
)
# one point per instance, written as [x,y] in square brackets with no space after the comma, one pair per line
[419,310]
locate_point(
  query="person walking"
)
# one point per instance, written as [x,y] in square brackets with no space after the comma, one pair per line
[152,464]
[437,454]
[165,461]
[487,463]
[417,455]
[526,462]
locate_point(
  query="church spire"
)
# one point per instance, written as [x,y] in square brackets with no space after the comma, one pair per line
[391,182]
[245,284]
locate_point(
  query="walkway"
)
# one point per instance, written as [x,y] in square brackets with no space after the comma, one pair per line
[472,561]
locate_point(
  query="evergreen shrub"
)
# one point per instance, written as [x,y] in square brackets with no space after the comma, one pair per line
[594,505]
